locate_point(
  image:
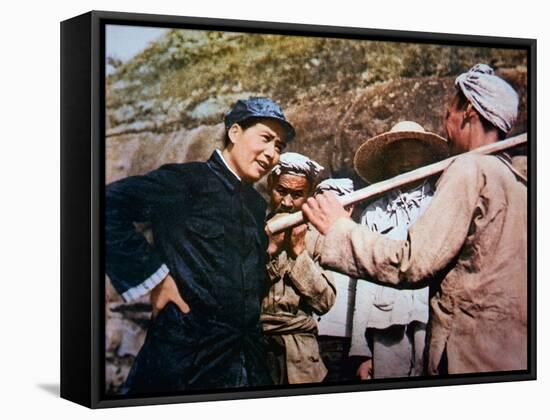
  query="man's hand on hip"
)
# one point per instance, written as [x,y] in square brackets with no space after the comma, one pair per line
[163,293]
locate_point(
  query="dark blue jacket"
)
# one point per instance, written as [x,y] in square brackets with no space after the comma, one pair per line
[208,228]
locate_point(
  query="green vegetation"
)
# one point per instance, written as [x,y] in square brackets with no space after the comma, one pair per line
[188,67]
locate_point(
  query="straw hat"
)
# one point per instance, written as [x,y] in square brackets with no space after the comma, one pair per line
[371,155]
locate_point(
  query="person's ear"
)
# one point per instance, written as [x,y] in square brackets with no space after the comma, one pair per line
[271,180]
[234,132]
[470,113]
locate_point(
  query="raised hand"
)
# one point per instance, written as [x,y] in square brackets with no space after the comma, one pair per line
[323,210]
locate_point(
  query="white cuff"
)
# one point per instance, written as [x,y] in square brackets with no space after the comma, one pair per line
[145,287]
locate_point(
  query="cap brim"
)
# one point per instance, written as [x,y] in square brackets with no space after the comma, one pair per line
[289,129]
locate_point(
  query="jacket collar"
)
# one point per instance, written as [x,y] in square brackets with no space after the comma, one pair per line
[222,171]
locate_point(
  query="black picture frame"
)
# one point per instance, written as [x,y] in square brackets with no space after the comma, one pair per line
[82,203]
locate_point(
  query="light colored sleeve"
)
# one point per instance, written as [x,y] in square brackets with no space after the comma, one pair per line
[369,217]
[275,270]
[432,243]
[361,312]
[314,284]
[364,298]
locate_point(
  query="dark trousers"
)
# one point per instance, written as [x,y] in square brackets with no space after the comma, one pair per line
[335,355]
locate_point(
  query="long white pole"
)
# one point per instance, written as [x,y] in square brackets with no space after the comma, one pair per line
[396,182]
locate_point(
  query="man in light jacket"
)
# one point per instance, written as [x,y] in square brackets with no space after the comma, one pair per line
[470,245]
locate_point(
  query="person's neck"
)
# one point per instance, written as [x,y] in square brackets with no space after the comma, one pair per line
[227,158]
[481,137]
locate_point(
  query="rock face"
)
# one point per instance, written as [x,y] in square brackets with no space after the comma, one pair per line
[167,104]
[125,329]
[138,153]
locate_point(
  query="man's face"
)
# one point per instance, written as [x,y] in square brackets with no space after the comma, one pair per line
[458,135]
[256,150]
[289,193]
[406,156]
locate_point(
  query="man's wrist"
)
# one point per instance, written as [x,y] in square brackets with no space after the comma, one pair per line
[147,285]
[296,251]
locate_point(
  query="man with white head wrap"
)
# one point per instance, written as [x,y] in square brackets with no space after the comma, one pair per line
[470,245]
[340,186]
[298,286]
[494,99]
[297,164]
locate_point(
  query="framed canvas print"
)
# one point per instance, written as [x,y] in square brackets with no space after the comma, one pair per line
[254,209]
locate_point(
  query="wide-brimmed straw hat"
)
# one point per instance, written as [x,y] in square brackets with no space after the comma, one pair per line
[370,158]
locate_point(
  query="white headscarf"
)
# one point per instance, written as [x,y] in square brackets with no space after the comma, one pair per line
[297,164]
[340,186]
[490,95]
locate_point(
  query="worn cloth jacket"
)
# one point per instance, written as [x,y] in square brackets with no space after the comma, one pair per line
[298,288]
[208,231]
[471,247]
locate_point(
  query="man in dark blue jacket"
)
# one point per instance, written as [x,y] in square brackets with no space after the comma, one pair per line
[209,247]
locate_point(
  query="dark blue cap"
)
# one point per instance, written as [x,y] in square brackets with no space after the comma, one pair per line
[258,107]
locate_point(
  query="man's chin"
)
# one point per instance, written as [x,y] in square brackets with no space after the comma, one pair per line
[252,178]
[259,175]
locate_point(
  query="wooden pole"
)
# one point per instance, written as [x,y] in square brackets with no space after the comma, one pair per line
[380,188]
